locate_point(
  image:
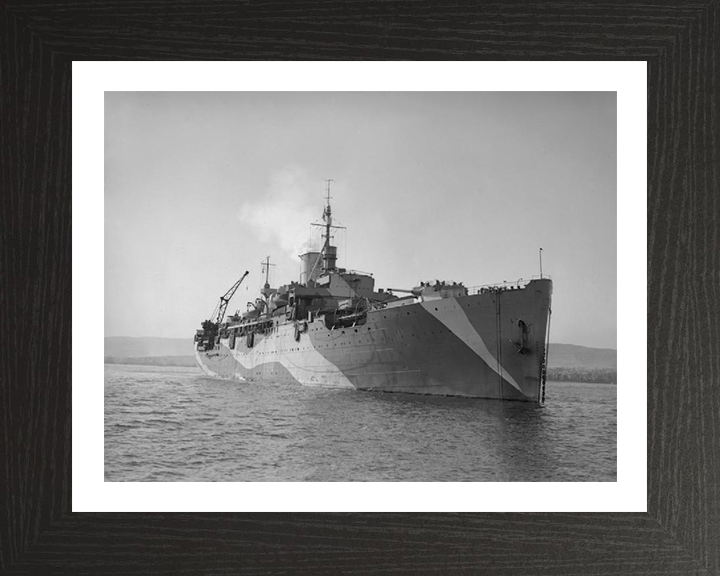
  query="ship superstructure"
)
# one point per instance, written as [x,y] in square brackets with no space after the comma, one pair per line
[334,328]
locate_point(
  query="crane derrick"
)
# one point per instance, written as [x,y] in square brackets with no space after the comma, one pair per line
[219,313]
[209,331]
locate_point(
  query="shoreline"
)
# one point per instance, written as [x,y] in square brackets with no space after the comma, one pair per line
[560,374]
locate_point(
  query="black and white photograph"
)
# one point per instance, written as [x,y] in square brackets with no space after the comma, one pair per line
[514,204]
[360,286]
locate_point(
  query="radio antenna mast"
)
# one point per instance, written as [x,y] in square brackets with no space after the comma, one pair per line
[266,268]
[327,216]
[328,252]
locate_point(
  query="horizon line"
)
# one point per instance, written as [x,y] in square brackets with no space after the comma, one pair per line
[190,338]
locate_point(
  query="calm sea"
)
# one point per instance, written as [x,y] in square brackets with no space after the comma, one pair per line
[174,424]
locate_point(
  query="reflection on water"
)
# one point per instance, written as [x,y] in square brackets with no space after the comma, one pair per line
[164,424]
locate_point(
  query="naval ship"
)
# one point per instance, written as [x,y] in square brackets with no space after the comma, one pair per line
[333,328]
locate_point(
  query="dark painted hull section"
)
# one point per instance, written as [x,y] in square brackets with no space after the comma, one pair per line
[407,349]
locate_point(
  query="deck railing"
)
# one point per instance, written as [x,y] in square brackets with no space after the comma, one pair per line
[518,284]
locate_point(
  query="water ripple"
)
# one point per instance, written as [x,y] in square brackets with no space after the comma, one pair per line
[173,424]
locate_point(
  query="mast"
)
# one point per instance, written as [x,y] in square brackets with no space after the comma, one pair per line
[329,253]
[266,268]
[327,217]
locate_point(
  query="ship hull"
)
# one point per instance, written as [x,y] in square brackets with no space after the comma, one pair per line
[487,345]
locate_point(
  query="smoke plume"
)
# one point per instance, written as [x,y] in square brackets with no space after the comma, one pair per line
[283,213]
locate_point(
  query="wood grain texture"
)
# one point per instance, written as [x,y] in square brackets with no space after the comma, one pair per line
[681,531]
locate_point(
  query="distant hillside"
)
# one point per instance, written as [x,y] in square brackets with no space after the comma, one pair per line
[561,355]
[571,356]
[123,347]
[188,361]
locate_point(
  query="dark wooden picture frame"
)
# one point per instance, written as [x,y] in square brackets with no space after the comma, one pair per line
[681,530]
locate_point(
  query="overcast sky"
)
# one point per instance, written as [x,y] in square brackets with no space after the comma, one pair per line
[200,187]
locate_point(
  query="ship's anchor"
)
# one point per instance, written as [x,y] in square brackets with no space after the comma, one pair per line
[522,347]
